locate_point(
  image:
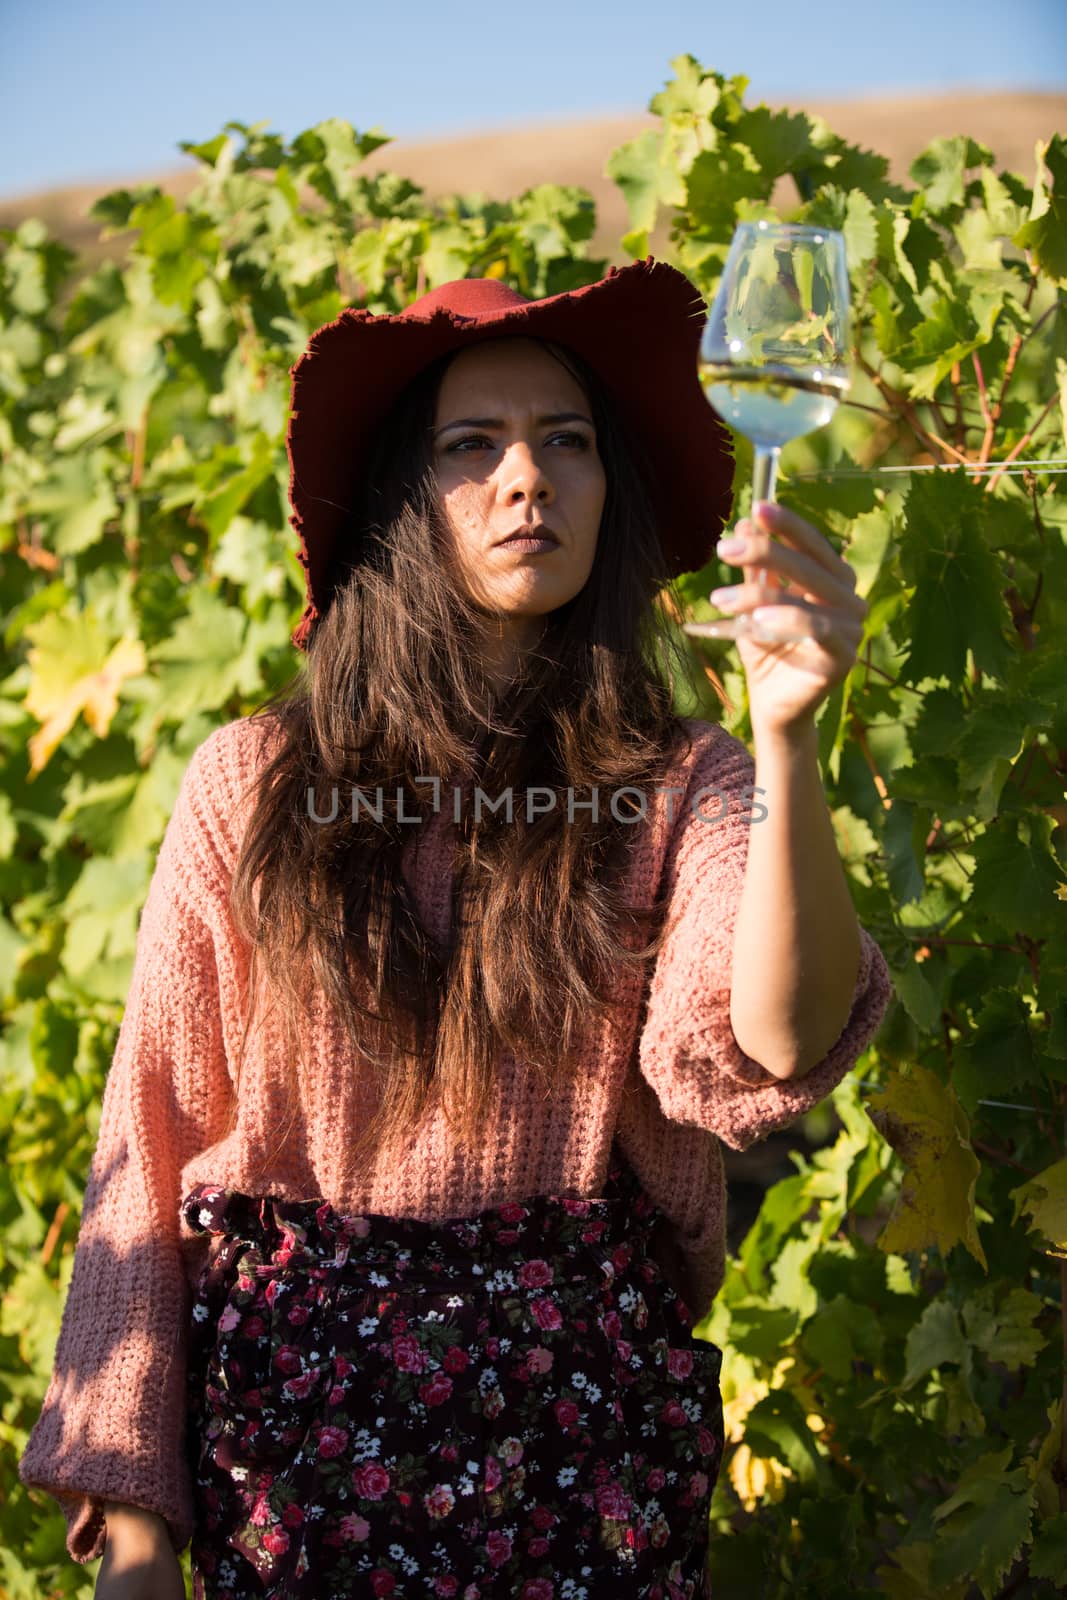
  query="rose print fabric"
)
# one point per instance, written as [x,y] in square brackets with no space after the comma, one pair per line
[507,1405]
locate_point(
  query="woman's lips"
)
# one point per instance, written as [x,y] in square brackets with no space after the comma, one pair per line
[533,545]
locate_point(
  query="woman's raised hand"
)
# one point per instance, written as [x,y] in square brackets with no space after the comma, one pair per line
[807,588]
[139,1561]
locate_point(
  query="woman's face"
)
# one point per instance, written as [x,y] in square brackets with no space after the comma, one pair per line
[514,448]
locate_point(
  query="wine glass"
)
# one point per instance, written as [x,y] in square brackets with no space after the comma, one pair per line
[773,353]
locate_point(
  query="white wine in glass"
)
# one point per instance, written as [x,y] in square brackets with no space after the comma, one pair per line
[774,349]
[770,405]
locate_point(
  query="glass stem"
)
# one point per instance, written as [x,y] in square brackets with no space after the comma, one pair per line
[764,473]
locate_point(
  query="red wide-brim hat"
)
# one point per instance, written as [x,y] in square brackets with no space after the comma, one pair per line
[638,328]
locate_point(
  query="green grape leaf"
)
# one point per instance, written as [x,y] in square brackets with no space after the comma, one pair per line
[833,729]
[918,996]
[979,240]
[957,601]
[1048,1557]
[934,783]
[332,150]
[115,208]
[202,663]
[217,506]
[1006,214]
[984,1524]
[692,94]
[903,833]
[939,725]
[789,1276]
[646,178]
[777,1427]
[841,1332]
[760,1330]
[1016,876]
[991,735]
[1045,233]
[860,229]
[870,539]
[885,310]
[31,1310]
[999,1055]
[912,1577]
[963,1414]
[936,1338]
[446,255]
[78,499]
[1001,1325]
[939,170]
[855,841]
[1056,1039]
[951,330]
[780,140]
[248,554]
[102,913]
[209,151]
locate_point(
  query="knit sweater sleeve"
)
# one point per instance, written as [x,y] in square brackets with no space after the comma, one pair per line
[687,1050]
[111,1425]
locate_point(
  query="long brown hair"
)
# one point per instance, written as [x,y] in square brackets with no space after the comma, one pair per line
[394,690]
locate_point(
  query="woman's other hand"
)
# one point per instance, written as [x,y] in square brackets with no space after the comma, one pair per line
[139,1561]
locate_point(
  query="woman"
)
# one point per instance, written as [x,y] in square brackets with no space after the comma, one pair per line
[457,963]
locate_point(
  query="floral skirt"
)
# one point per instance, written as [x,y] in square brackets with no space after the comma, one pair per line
[509,1405]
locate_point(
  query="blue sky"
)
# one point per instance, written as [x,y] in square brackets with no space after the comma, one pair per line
[100,89]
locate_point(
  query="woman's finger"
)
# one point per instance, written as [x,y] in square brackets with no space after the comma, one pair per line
[799,549]
[740,597]
[761,552]
[778,519]
[832,628]
[835,630]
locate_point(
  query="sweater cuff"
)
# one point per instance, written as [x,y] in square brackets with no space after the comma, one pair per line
[84,1472]
[86,1528]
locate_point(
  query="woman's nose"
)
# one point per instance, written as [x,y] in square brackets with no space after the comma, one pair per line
[522,468]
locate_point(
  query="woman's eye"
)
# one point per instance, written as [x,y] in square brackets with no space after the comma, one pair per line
[480,439]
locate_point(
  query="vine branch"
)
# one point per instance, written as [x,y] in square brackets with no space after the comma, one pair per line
[995,477]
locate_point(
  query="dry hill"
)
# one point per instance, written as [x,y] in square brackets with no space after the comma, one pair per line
[502,163]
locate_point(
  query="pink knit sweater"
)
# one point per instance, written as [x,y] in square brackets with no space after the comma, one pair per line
[665,1077]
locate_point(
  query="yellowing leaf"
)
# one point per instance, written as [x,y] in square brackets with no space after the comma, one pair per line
[922,1119]
[1044,1198]
[755,1478]
[736,1407]
[73,671]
